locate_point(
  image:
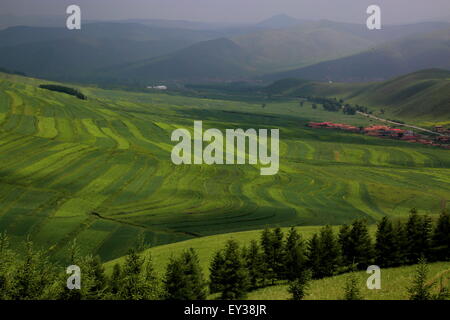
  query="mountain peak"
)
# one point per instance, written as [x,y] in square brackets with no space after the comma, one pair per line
[279,21]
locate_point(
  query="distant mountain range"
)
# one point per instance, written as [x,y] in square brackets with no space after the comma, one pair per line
[140,51]
[217,59]
[279,21]
[412,53]
[309,42]
[57,53]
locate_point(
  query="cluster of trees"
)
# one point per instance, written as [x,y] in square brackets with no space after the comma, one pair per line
[234,270]
[335,105]
[34,277]
[63,89]
[351,110]
[278,257]
[328,104]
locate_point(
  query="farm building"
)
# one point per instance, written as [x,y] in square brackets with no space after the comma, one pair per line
[383,131]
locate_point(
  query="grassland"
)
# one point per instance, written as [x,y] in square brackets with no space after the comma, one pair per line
[394,285]
[100,170]
[420,98]
[206,247]
[395,281]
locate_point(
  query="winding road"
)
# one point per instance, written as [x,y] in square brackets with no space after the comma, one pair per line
[400,124]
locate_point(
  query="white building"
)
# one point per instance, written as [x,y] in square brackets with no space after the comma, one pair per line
[157,87]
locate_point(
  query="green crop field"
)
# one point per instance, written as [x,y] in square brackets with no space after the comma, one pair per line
[99,170]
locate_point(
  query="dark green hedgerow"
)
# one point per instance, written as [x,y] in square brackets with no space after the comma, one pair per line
[63,89]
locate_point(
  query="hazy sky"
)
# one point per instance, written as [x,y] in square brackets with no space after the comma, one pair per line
[393,11]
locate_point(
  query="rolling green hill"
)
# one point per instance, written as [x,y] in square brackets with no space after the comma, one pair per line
[413,53]
[300,45]
[422,95]
[99,170]
[394,283]
[206,247]
[61,54]
[213,59]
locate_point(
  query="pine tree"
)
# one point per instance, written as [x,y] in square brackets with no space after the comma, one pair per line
[298,288]
[216,272]
[360,245]
[235,282]
[294,255]
[266,244]
[314,256]
[351,289]
[254,261]
[31,276]
[149,280]
[420,289]
[441,238]
[278,253]
[273,248]
[138,281]
[330,252]
[426,235]
[184,278]
[115,280]
[401,243]
[94,279]
[345,244]
[386,249]
[130,288]
[419,236]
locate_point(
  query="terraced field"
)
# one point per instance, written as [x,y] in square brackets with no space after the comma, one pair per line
[100,171]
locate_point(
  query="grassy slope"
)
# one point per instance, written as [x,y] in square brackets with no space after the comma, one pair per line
[394,285]
[423,95]
[58,54]
[281,49]
[64,159]
[219,58]
[206,247]
[395,281]
[417,97]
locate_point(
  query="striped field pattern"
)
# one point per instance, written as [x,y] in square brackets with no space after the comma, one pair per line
[99,170]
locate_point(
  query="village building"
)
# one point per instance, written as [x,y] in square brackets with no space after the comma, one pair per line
[383,131]
[439,129]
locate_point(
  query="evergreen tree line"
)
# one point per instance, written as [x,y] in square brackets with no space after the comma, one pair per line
[234,269]
[64,89]
[34,277]
[278,257]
